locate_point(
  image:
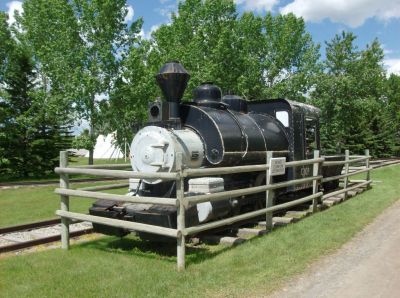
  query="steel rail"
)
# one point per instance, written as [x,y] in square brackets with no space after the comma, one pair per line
[44,240]
[32,225]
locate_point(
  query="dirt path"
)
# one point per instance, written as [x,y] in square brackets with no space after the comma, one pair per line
[367,266]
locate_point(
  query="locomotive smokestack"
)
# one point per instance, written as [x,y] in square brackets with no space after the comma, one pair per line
[172,79]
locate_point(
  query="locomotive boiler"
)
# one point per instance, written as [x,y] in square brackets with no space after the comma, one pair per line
[213,130]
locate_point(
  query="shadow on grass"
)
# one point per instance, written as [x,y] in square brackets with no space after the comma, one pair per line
[165,251]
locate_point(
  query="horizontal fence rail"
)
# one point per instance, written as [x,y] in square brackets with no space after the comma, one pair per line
[130,225]
[114,197]
[116,173]
[104,166]
[245,191]
[183,200]
[248,215]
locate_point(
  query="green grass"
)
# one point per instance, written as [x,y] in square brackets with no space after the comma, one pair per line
[75,161]
[28,204]
[111,267]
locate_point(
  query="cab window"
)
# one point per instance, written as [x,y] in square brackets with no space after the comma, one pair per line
[310,135]
[283,117]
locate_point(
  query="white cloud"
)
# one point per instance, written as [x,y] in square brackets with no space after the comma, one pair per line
[167,10]
[129,14]
[350,12]
[13,6]
[386,50]
[258,5]
[98,97]
[147,35]
[392,66]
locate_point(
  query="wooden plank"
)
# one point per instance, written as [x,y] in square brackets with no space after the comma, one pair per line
[341,162]
[336,199]
[129,225]
[248,215]
[116,173]
[329,203]
[339,192]
[248,232]
[114,197]
[368,177]
[105,187]
[64,183]
[282,221]
[269,194]
[316,170]
[245,191]
[104,166]
[346,172]
[180,197]
[223,240]
[298,214]
[223,170]
[351,193]
[242,169]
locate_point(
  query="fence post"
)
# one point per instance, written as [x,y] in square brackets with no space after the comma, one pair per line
[64,183]
[269,194]
[315,182]
[181,249]
[368,178]
[346,171]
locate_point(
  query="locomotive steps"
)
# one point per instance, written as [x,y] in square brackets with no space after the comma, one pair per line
[248,231]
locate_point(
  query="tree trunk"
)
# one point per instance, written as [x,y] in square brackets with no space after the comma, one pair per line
[90,156]
[91,134]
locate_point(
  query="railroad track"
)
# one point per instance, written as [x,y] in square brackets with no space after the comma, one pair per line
[24,236]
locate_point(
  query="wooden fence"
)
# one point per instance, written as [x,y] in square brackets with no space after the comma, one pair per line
[182,202]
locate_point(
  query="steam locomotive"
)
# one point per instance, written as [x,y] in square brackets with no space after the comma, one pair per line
[214,131]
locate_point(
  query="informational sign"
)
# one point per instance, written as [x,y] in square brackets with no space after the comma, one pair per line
[277,166]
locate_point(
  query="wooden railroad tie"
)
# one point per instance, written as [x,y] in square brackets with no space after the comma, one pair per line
[291,216]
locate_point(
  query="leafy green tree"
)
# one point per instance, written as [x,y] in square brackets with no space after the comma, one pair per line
[256,57]
[126,108]
[80,45]
[202,37]
[290,60]
[83,141]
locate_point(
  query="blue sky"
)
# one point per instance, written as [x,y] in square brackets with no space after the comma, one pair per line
[368,19]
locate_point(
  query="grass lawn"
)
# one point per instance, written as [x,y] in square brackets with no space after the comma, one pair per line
[111,267]
[28,204]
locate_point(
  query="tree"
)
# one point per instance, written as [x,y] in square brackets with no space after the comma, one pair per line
[202,37]
[350,95]
[256,57]
[30,135]
[80,45]
[126,108]
[392,94]
[290,58]
[5,44]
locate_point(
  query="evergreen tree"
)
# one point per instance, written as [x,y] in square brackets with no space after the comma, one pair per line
[30,134]
[350,94]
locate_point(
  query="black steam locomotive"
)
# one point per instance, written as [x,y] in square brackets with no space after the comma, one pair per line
[214,131]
